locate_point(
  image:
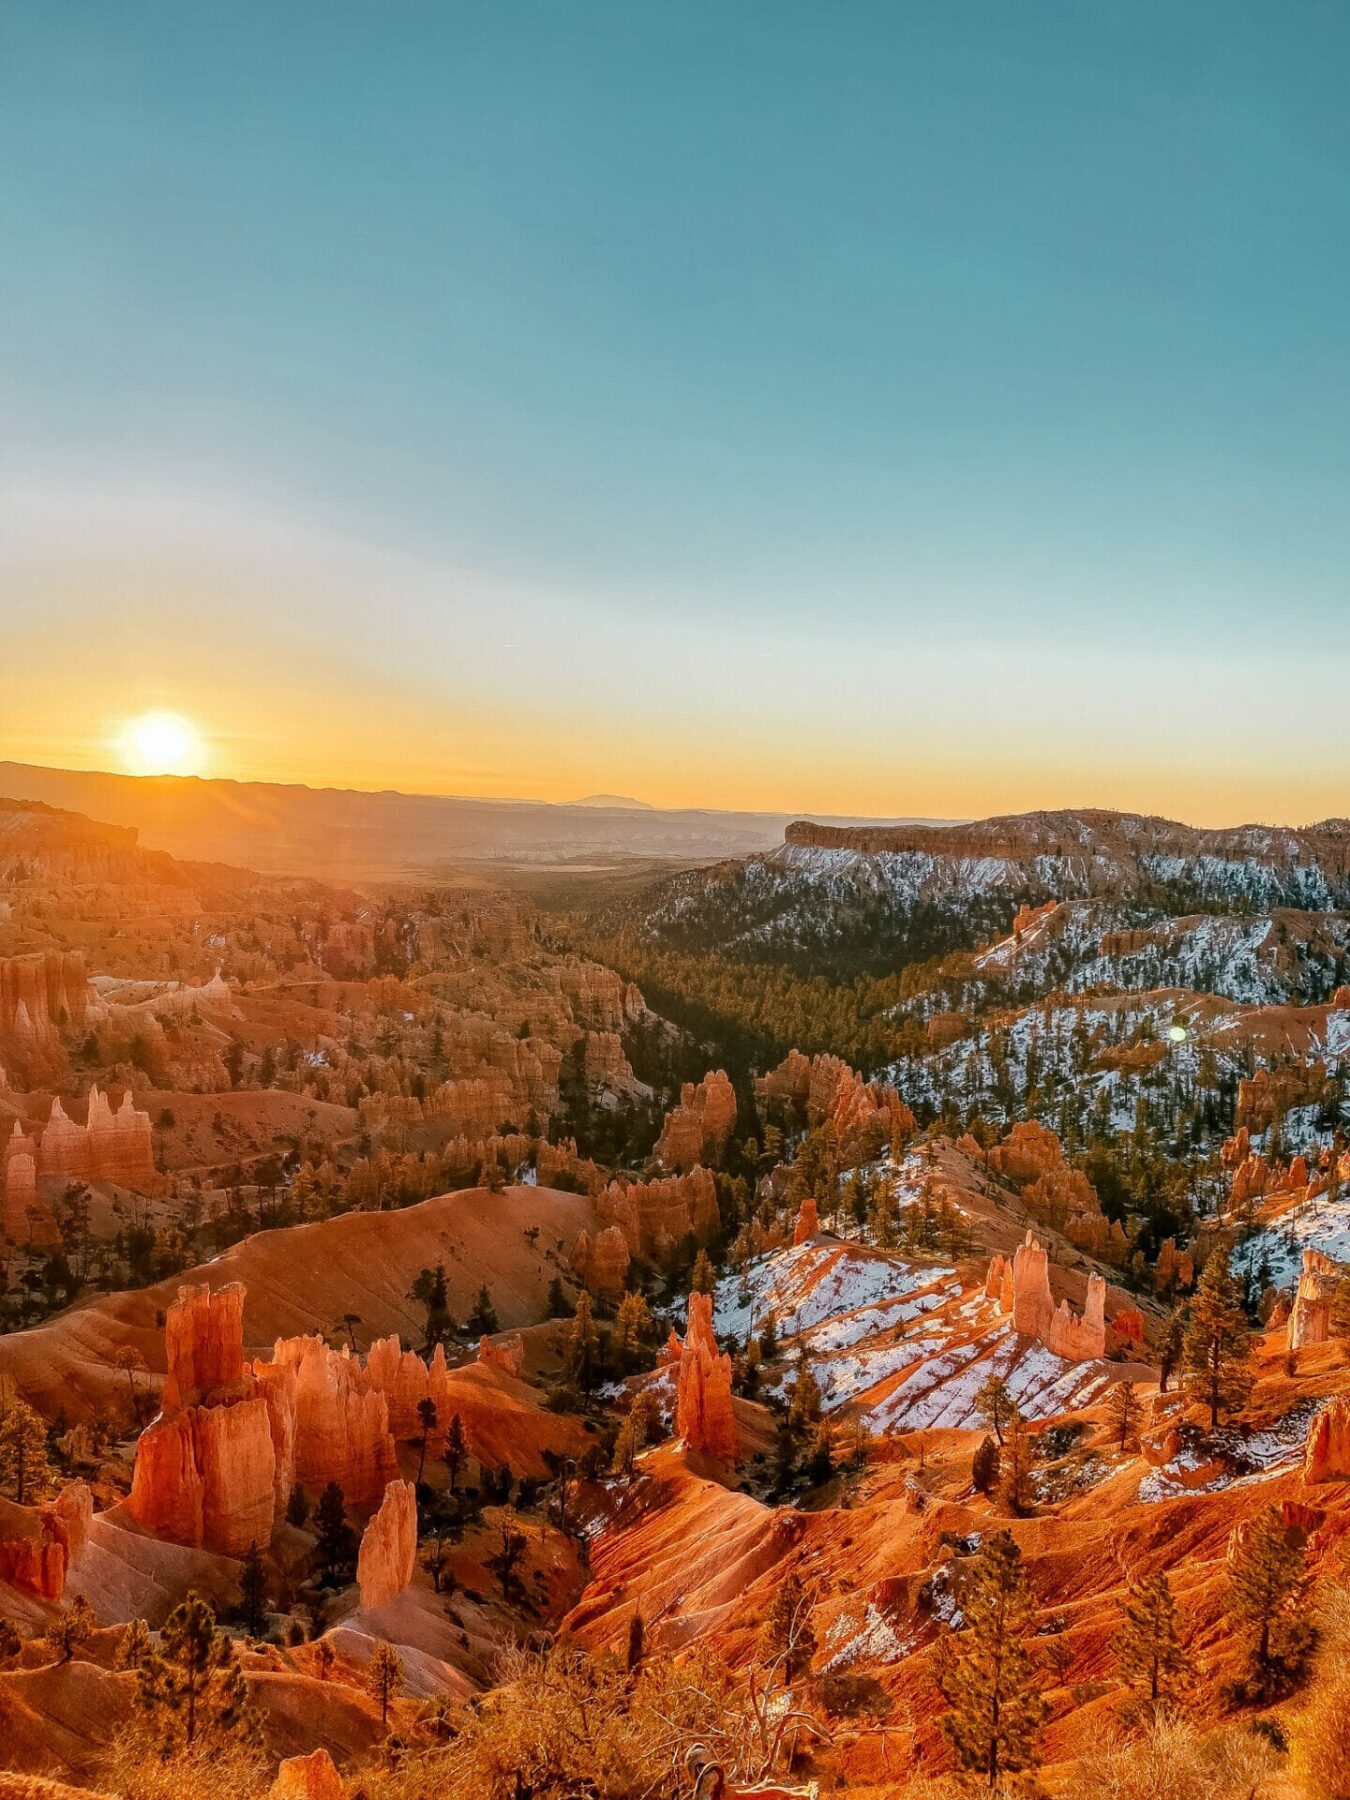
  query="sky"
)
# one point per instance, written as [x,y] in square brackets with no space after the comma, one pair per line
[886,409]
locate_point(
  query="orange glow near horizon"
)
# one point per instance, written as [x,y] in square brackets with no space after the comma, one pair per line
[162,743]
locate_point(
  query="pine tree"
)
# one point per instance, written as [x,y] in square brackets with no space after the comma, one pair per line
[1122,1415]
[1173,1340]
[631,1325]
[336,1547]
[135,1645]
[984,1671]
[787,1631]
[583,1345]
[1267,1577]
[1148,1648]
[25,1474]
[253,1592]
[456,1449]
[984,1466]
[702,1281]
[804,1407]
[555,1306]
[1218,1342]
[384,1678]
[1015,1467]
[426,1419]
[193,1684]
[483,1321]
[996,1406]
[72,1627]
[632,1438]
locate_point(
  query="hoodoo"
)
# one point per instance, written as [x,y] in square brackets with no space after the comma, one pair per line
[704,1416]
[388,1553]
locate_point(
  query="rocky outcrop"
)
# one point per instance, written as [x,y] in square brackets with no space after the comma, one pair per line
[207,1476]
[824,1089]
[602,1264]
[109,1146]
[1326,1455]
[700,1127]
[388,1553]
[312,1777]
[406,1381]
[1032,1158]
[218,1465]
[704,1416]
[808,1222]
[42,997]
[1027,916]
[23,1218]
[39,1545]
[341,1423]
[1270,1093]
[1310,1316]
[655,1216]
[203,1342]
[1022,1288]
[505,1352]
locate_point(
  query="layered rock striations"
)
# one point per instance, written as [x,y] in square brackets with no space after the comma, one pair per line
[110,1146]
[645,1220]
[42,997]
[39,1545]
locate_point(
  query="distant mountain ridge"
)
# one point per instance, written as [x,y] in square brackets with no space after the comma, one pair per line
[845,900]
[347,833]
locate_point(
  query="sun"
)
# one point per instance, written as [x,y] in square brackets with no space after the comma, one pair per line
[162,743]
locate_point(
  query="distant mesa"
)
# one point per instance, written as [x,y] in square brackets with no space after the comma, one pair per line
[616,802]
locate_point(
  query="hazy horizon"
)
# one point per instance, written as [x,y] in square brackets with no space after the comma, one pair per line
[887,414]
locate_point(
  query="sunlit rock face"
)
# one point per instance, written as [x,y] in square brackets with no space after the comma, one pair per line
[699,1129]
[1326,1456]
[704,1416]
[388,1553]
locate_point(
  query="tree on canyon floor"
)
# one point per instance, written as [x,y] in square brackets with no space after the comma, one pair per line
[1218,1341]
[1149,1651]
[25,1472]
[1267,1582]
[984,1671]
[193,1686]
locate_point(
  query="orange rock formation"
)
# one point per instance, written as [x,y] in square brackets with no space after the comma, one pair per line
[808,1222]
[312,1777]
[700,1127]
[39,1544]
[1326,1456]
[219,1463]
[651,1217]
[704,1416]
[865,1114]
[41,996]
[1022,1288]
[109,1146]
[388,1553]
[1310,1316]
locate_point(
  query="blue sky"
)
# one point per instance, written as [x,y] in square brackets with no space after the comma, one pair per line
[696,355]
